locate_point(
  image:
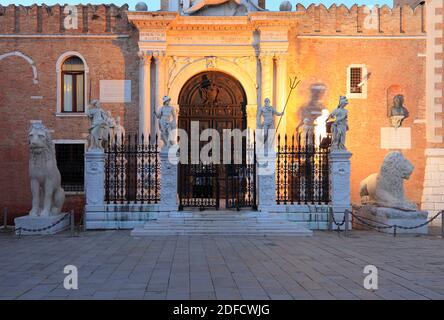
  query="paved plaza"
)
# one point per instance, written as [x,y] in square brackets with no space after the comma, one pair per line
[114,265]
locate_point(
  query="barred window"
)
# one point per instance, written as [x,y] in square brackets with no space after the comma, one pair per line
[355,80]
[70,161]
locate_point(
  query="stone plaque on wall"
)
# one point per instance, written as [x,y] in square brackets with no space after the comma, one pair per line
[115,91]
[396,138]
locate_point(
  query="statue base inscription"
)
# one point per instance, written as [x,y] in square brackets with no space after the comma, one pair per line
[32,225]
[396,138]
[380,216]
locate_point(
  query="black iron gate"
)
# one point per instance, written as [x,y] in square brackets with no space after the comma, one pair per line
[210,186]
[198,186]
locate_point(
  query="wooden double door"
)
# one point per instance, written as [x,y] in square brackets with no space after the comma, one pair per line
[210,100]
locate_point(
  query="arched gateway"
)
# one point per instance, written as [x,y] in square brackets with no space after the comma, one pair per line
[214,100]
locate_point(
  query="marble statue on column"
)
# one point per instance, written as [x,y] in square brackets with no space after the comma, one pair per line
[267,113]
[167,122]
[340,125]
[398,113]
[98,127]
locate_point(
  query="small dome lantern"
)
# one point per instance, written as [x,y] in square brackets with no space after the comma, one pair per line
[141,6]
[285,6]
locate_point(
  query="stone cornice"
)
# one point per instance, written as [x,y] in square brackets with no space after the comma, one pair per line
[175,21]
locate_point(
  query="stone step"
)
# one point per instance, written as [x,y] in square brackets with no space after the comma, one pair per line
[223,223]
[165,232]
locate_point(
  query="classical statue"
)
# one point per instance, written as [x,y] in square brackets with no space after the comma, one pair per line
[47,194]
[199,4]
[98,118]
[119,132]
[340,125]
[398,112]
[167,121]
[266,112]
[386,188]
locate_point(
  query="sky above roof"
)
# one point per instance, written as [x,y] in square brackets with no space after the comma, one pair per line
[155,4]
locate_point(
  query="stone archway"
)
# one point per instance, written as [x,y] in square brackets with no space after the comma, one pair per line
[247,80]
[214,100]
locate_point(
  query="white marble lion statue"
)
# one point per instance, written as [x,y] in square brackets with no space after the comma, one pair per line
[386,188]
[47,194]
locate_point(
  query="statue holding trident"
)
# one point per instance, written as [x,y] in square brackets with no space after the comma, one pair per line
[167,121]
[267,112]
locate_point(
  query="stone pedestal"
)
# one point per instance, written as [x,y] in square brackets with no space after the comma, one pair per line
[340,184]
[168,180]
[379,216]
[266,182]
[95,177]
[31,225]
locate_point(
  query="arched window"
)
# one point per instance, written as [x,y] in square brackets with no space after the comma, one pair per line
[73,85]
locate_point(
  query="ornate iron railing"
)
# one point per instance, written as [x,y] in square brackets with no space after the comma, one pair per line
[302,171]
[132,171]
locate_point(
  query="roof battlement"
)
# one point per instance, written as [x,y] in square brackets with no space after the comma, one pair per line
[314,19]
[57,19]
[400,20]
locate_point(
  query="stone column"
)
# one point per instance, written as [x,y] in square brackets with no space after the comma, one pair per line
[95,178]
[168,181]
[281,90]
[145,110]
[340,184]
[267,76]
[266,181]
[160,60]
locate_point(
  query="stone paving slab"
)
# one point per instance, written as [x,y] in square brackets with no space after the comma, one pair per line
[114,265]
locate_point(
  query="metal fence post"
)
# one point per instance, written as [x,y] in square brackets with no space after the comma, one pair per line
[346,219]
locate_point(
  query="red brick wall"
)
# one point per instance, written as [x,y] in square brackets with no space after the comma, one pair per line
[324,57]
[391,62]
[107,58]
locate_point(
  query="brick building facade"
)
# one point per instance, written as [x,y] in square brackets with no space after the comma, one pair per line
[395,50]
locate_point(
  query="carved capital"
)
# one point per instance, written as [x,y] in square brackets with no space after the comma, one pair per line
[159,56]
[145,57]
[280,58]
[266,58]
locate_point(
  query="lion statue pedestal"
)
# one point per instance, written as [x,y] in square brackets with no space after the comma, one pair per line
[48,196]
[383,199]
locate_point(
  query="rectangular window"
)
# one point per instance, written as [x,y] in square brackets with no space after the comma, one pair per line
[70,161]
[73,92]
[356,81]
